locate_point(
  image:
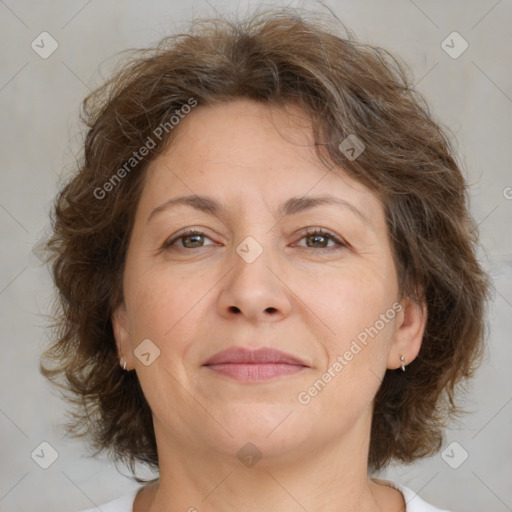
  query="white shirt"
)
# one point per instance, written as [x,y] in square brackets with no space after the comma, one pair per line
[413,502]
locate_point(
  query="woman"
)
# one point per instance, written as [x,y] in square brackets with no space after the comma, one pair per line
[267,272]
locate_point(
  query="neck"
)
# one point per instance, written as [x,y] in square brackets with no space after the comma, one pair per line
[328,477]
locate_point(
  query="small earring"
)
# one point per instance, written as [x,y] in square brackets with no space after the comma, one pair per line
[124,365]
[402,358]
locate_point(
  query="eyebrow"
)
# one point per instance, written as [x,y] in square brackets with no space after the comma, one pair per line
[292,206]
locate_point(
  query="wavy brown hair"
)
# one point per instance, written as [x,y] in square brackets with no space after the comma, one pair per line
[279,57]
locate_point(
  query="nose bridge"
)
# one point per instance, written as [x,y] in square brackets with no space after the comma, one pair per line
[252,288]
[252,262]
[256,232]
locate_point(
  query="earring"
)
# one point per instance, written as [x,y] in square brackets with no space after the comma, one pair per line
[124,365]
[402,358]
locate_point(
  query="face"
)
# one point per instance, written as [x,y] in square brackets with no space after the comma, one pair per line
[316,281]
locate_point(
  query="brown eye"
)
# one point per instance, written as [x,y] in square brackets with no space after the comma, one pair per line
[191,239]
[318,239]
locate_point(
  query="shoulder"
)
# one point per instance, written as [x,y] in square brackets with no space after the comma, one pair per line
[122,504]
[413,502]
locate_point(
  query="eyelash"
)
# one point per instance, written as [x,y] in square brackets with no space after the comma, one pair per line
[309,232]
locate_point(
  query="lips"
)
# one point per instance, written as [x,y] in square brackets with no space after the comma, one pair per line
[265,355]
[248,366]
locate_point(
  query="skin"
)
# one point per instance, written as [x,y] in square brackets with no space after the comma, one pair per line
[194,302]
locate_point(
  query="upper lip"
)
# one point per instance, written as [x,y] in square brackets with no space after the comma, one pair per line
[242,355]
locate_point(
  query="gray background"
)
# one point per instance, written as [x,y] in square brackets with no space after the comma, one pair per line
[39,101]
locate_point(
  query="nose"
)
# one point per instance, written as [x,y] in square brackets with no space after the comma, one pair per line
[255,290]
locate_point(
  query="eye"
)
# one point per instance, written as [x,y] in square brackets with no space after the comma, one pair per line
[320,237]
[190,240]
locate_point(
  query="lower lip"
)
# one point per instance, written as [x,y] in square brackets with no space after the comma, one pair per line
[253,372]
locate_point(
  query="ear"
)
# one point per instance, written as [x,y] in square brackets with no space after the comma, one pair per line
[410,326]
[122,336]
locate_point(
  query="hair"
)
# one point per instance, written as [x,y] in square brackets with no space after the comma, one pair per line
[276,57]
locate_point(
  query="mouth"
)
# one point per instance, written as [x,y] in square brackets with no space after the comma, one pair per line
[254,365]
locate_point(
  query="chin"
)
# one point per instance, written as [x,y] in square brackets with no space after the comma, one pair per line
[268,426]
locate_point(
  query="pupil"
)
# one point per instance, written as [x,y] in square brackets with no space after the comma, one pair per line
[316,237]
[192,237]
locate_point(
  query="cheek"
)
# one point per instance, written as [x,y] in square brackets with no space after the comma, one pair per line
[163,304]
[356,307]
[162,309]
[350,300]
[355,360]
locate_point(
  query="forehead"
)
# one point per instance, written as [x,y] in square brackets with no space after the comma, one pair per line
[243,152]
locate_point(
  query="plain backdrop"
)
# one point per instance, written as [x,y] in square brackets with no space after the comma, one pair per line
[40,136]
